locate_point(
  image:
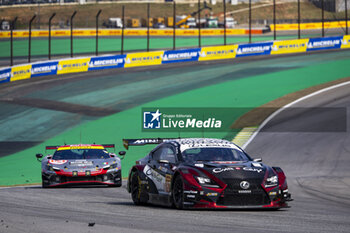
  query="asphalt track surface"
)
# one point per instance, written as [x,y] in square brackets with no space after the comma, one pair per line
[317,165]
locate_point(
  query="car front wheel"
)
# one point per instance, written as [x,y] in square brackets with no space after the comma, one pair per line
[178,193]
[138,197]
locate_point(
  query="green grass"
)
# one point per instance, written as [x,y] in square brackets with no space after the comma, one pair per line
[22,168]
[39,47]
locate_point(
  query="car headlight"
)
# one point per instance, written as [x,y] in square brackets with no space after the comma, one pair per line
[206,182]
[271,181]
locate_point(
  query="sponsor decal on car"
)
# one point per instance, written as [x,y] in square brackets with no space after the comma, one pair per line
[57,162]
[226,169]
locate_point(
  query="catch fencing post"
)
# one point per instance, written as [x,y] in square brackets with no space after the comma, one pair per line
[50,19]
[274,19]
[123,22]
[224,22]
[30,37]
[174,25]
[148,10]
[13,23]
[299,19]
[98,14]
[250,21]
[199,23]
[322,2]
[346,17]
[71,33]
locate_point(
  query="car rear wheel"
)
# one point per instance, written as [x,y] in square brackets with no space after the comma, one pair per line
[178,193]
[138,197]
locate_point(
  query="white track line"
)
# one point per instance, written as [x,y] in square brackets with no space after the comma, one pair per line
[290,104]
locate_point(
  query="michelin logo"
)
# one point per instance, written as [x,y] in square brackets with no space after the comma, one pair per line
[151,120]
[107,62]
[324,43]
[5,76]
[256,49]
[43,69]
[179,56]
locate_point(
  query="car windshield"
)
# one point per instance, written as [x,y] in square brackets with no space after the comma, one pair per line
[213,154]
[81,154]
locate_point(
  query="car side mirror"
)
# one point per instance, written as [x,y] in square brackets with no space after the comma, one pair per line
[112,155]
[122,154]
[257,160]
[39,157]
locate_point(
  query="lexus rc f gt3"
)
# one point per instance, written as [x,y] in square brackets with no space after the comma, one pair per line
[204,173]
[81,164]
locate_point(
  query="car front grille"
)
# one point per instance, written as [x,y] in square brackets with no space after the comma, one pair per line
[234,184]
[251,199]
[80,178]
[233,197]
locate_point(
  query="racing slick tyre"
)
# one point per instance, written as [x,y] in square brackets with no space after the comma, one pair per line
[178,193]
[44,182]
[118,183]
[138,197]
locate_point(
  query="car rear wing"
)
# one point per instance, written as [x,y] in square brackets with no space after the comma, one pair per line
[56,147]
[51,147]
[144,141]
[108,145]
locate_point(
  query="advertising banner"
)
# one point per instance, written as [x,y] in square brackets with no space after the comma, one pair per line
[346,42]
[73,65]
[143,59]
[41,69]
[324,43]
[218,52]
[289,46]
[107,62]
[184,55]
[254,49]
[159,119]
[5,75]
[20,72]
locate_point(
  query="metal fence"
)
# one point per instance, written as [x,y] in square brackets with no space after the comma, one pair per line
[269,22]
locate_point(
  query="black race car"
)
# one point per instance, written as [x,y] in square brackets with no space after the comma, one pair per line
[204,173]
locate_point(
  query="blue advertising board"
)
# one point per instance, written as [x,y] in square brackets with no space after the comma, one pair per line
[183,55]
[324,43]
[107,62]
[254,49]
[46,68]
[5,75]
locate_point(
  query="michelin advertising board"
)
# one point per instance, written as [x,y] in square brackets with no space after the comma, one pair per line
[254,49]
[42,69]
[324,43]
[183,55]
[5,75]
[218,52]
[107,62]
